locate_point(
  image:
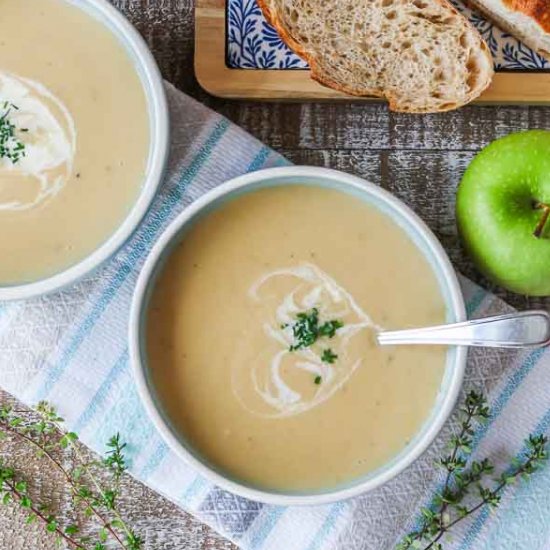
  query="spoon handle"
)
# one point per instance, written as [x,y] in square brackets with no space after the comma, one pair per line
[529,329]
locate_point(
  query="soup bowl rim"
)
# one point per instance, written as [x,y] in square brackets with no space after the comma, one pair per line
[157,155]
[139,366]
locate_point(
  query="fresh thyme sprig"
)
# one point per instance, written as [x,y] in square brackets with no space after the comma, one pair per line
[114,459]
[11,147]
[466,490]
[14,488]
[94,485]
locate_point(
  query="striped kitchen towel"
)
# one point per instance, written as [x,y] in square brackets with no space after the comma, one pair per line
[71,349]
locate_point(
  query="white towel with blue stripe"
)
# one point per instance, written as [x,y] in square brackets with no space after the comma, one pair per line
[71,349]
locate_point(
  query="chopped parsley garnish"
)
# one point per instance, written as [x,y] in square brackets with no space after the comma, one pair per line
[329,328]
[307,329]
[328,356]
[11,147]
[318,380]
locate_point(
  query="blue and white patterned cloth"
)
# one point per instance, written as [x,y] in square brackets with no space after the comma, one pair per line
[254,44]
[71,349]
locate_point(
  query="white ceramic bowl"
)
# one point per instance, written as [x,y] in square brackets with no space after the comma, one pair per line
[151,80]
[417,231]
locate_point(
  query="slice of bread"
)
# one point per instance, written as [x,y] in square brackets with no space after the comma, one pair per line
[421,55]
[528,20]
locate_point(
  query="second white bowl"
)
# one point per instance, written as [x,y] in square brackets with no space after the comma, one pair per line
[151,80]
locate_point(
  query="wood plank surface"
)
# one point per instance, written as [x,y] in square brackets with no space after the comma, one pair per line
[221,81]
[419,158]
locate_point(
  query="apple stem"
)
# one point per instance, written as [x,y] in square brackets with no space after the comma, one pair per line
[544,218]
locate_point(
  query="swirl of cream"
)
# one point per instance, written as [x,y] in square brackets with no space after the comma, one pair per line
[49,139]
[297,289]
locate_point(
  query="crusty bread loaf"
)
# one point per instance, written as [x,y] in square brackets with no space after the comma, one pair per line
[528,20]
[421,55]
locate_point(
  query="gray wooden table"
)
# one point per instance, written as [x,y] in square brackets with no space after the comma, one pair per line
[419,158]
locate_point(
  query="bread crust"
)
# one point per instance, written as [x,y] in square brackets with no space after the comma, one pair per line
[539,10]
[537,36]
[274,20]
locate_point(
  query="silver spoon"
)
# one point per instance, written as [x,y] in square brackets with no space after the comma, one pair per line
[529,329]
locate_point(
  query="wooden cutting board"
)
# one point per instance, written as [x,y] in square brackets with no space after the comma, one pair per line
[217,78]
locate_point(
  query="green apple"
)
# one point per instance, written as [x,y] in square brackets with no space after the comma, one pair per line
[503,206]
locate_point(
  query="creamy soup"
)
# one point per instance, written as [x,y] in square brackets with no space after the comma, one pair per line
[74,137]
[260,338]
